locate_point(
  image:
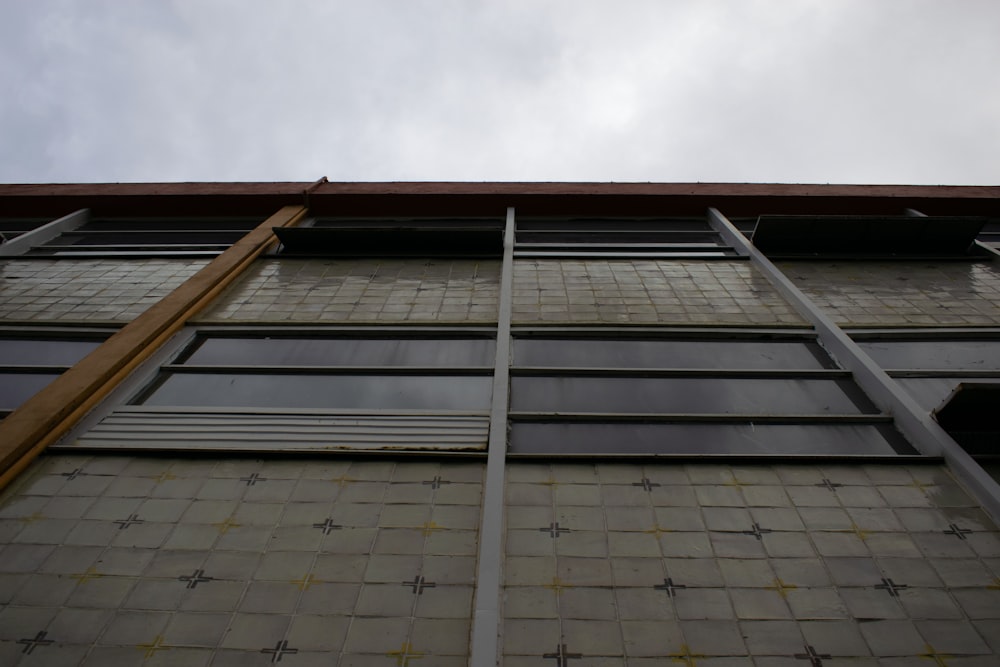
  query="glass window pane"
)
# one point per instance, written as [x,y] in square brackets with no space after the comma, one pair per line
[681,395]
[44,352]
[343,352]
[929,392]
[742,439]
[934,354]
[581,353]
[361,392]
[16,388]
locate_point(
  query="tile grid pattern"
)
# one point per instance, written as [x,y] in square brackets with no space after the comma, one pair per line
[325,291]
[121,561]
[91,291]
[901,293]
[765,565]
[646,291]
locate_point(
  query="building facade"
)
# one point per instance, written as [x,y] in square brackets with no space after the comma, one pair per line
[446,424]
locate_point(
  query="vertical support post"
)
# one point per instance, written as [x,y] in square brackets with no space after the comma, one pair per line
[912,420]
[486,619]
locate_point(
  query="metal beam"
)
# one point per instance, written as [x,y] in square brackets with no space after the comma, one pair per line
[916,424]
[43,234]
[486,618]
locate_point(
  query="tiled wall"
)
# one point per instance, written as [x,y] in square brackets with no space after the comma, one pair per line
[358,291]
[90,291]
[902,293]
[129,561]
[646,292]
[773,565]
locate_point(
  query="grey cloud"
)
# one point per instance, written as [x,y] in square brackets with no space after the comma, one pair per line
[894,91]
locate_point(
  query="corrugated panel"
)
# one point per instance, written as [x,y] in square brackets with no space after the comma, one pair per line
[138,427]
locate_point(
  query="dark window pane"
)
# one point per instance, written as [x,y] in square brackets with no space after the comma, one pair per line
[681,395]
[930,393]
[343,352]
[742,439]
[930,354]
[16,388]
[582,353]
[352,392]
[44,352]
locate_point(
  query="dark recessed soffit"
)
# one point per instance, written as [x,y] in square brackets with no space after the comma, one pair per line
[379,240]
[861,236]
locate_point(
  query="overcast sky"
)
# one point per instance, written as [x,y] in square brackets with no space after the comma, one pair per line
[797,91]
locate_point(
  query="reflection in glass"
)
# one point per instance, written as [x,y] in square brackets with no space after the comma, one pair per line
[733,354]
[44,351]
[934,354]
[343,352]
[359,392]
[682,395]
[740,439]
[16,388]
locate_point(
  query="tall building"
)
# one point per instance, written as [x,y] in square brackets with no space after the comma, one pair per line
[449,424]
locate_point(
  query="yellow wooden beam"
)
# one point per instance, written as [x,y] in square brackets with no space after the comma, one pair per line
[50,413]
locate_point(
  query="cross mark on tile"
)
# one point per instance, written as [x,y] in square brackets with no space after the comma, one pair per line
[556,586]
[781,587]
[198,577]
[892,588]
[224,526]
[131,520]
[430,527]
[164,476]
[815,658]
[829,485]
[91,573]
[328,526]
[550,482]
[555,530]
[34,642]
[436,482]
[279,651]
[669,586]
[77,472]
[960,533]
[757,531]
[152,647]
[253,479]
[938,658]
[656,530]
[305,582]
[405,654]
[685,656]
[646,484]
[562,656]
[343,480]
[419,584]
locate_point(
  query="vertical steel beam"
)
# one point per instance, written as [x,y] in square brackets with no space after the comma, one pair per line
[44,234]
[925,434]
[486,618]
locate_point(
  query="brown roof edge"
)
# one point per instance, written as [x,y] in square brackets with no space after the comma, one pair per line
[488,198]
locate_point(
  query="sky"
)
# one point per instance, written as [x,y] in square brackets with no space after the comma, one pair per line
[758,91]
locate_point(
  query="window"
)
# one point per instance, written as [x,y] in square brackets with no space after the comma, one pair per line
[618,238]
[30,361]
[392,237]
[868,237]
[281,390]
[689,394]
[145,237]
